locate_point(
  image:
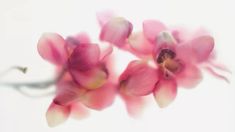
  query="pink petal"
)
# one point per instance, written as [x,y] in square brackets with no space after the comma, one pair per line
[134,104]
[100,98]
[78,111]
[184,52]
[90,79]
[189,77]
[116,31]
[140,45]
[51,47]
[202,47]
[68,92]
[165,92]
[139,78]
[152,28]
[73,41]
[84,57]
[104,16]
[57,114]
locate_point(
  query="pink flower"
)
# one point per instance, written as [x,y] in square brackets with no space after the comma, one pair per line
[85,79]
[170,58]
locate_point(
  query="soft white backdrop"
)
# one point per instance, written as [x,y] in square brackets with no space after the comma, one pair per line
[209,107]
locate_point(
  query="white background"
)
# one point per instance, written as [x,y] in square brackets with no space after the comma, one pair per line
[209,107]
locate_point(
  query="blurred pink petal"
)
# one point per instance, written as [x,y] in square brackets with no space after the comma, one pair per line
[165,92]
[139,78]
[152,28]
[78,111]
[202,47]
[134,104]
[100,98]
[68,92]
[140,45]
[189,77]
[73,41]
[104,16]
[51,47]
[184,52]
[84,56]
[90,79]
[116,31]
[57,114]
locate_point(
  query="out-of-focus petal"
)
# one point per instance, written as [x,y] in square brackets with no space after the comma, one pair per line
[140,45]
[202,47]
[73,41]
[165,92]
[68,92]
[104,16]
[134,104]
[79,111]
[139,78]
[84,57]
[189,77]
[57,114]
[51,47]
[90,79]
[184,52]
[152,28]
[100,98]
[116,31]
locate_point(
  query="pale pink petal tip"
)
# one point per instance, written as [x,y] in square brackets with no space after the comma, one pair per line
[152,28]
[78,111]
[104,16]
[51,47]
[165,92]
[139,78]
[202,47]
[134,104]
[116,31]
[57,114]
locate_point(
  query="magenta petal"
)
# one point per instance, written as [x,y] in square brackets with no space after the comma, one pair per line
[165,92]
[57,114]
[202,47]
[152,28]
[90,79]
[189,77]
[73,41]
[116,31]
[100,98]
[51,46]
[140,45]
[139,78]
[84,57]
[68,92]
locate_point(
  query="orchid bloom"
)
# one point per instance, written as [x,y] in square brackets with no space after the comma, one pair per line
[169,58]
[85,79]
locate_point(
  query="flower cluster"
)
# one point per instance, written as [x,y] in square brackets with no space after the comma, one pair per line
[168,58]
